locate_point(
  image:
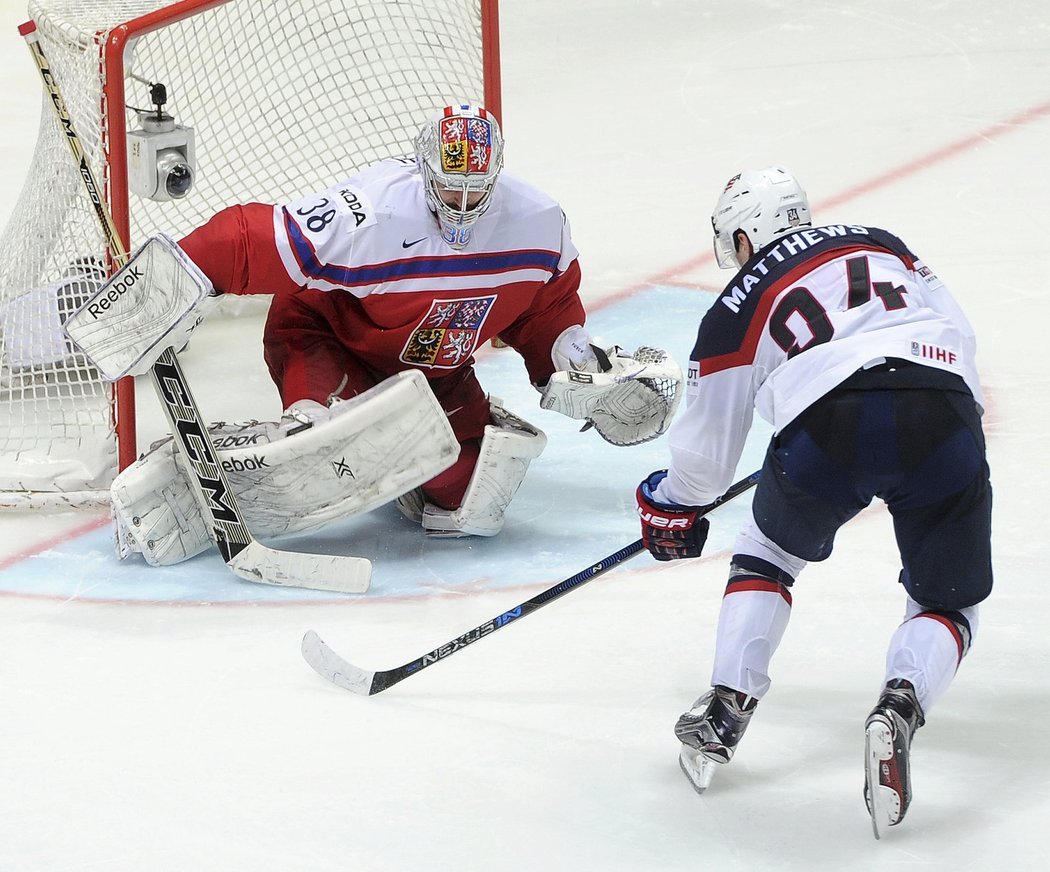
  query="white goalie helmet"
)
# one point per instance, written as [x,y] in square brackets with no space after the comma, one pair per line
[459,153]
[764,204]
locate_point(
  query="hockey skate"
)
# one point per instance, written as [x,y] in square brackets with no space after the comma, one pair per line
[887,743]
[709,733]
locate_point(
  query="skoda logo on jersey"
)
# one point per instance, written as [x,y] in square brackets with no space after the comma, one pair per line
[448,334]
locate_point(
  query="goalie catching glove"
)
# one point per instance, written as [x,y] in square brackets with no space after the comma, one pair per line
[627,399]
[669,530]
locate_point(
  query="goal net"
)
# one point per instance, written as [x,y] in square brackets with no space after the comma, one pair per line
[280,97]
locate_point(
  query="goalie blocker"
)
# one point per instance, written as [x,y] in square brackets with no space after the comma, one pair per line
[152,303]
[354,456]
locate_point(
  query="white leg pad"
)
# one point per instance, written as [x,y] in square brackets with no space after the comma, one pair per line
[293,477]
[155,510]
[508,446]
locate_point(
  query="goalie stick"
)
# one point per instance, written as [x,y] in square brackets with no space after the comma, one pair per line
[245,556]
[328,664]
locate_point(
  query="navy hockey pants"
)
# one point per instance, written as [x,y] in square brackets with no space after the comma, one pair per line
[910,436]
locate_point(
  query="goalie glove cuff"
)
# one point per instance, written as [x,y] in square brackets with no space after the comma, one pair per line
[670,531]
[574,350]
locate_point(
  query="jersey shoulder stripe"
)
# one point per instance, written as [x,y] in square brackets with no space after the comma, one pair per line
[730,331]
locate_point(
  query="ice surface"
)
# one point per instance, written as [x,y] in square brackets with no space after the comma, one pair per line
[164,720]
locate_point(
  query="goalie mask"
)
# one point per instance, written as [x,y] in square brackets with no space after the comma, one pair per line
[459,153]
[764,204]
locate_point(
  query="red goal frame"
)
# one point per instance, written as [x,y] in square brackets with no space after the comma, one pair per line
[116,169]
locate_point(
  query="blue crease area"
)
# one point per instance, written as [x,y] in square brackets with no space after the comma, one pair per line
[575,507]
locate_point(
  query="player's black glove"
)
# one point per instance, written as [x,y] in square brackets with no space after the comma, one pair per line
[670,531]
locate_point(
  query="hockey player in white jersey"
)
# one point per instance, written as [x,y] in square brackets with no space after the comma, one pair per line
[860,358]
[388,281]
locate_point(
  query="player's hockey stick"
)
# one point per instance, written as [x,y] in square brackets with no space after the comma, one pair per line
[243,554]
[330,665]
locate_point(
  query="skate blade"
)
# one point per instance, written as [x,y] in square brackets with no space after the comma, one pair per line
[697,768]
[883,802]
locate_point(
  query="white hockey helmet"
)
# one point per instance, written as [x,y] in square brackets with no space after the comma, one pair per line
[459,153]
[764,204]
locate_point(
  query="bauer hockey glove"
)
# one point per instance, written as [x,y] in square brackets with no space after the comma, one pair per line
[670,531]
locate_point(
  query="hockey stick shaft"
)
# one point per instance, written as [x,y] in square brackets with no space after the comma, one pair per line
[245,557]
[331,666]
[58,103]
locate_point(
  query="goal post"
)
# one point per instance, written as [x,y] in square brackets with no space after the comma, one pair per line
[262,100]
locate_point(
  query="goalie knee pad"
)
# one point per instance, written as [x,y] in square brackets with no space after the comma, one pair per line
[508,446]
[293,476]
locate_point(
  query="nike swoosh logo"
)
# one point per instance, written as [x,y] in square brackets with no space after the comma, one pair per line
[407,244]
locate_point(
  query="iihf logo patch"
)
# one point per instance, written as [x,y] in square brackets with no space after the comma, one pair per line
[448,334]
[937,353]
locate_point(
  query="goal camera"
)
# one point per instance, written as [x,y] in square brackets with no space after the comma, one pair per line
[161,159]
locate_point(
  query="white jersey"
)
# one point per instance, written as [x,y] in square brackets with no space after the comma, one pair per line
[374,234]
[367,258]
[807,312]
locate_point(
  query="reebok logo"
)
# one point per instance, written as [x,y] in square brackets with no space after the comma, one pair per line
[407,244]
[248,464]
[236,440]
[116,289]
